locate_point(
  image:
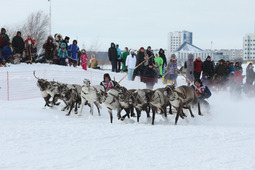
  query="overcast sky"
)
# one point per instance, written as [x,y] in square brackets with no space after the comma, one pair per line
[136,23]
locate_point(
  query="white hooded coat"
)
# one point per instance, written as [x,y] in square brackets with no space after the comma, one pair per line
[131,60]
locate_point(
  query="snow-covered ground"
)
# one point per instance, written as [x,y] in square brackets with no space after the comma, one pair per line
[35,137]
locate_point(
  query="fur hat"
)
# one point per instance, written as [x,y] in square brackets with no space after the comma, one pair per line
[198,81]
[58,37]
[107,75]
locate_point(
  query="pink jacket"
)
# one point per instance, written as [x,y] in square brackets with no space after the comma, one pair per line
[84,59]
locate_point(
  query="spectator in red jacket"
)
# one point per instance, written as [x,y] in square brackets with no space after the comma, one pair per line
[198,67]
[3,41]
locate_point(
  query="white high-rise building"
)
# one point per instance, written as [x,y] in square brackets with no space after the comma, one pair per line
[176,39]
[249,47]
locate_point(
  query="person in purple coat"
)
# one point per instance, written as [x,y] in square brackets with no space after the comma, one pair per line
[171,71]
[190,68]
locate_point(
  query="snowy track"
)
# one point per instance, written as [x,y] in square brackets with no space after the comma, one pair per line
[34,137]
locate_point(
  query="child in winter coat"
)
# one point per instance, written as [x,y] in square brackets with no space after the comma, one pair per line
[84,59]
[63,54]
[171,72]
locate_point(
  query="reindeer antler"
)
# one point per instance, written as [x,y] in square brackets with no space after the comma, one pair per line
[35,75]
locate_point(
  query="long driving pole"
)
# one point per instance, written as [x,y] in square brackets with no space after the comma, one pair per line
[133,70]
[50,17]
[189,80]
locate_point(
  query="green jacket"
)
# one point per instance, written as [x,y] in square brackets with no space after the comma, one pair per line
[124,57]
[7,37]
[160,62]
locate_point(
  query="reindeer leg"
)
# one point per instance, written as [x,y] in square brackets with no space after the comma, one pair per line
[110,112]
[132,111]
[71,108]
[91,109]
[76,108]
[138,114]
[118,113]
[98,108]
[46,99]
[182,115]
[190,111]
[66,107]
[127,114]
[148,111]
[153,116]
[199,110]
[178,113]
[55,99]
[164,109]
[170,109]
[82,105]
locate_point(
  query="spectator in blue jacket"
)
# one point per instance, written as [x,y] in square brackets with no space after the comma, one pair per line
[73,50]
[63,55]
[6,52]
[119,57]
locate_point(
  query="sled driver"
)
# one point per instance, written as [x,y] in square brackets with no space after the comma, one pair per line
[203,92]
[108,83]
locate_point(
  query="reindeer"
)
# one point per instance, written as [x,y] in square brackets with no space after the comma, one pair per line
[182,97]
[43,84]
[111,101]
[139,100]
[91,95]
[158,101]
[71,98]
[123,97]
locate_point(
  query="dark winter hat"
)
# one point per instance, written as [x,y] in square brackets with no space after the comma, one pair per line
[67,38]
[112,44]
[107,75]
[205,74]
[18,32]
[148,47]
[198,81]
[208,57]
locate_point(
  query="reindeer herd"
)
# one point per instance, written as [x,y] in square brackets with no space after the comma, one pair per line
[163,100]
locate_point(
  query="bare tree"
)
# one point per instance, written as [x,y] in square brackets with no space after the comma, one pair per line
[94,47]
[36,26]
